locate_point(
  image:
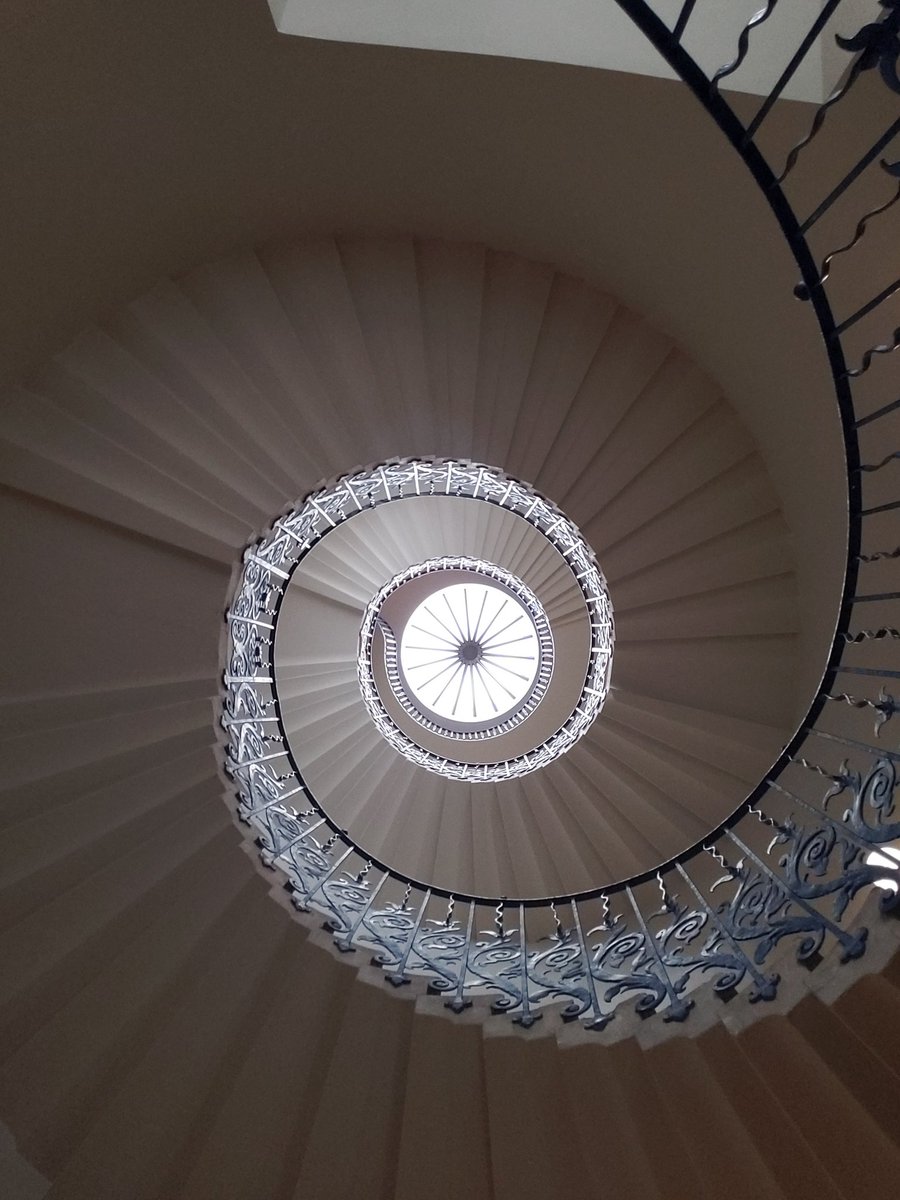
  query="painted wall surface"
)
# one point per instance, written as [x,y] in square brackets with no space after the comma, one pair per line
[592,33]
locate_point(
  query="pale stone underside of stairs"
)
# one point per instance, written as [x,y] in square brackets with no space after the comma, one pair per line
[168,1028]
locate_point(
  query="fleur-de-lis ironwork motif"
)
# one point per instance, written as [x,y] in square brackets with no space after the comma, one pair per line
[798,890]
[878,45]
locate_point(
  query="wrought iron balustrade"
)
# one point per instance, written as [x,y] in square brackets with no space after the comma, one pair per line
[786,867]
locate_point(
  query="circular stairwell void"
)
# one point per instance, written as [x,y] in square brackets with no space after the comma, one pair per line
[564,633]
[501,655]
[470,653]
[472,658]
[201,409]
[262,373]
[456,349]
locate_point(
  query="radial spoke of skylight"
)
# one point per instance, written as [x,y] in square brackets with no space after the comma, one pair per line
[483,636]
[455,616]
[480,615]
[443,671]
[440,695]
[489,641]
[431,633]
[493,684]
[502,667]
[511,642]
[479,675]
[453,637]
[437,654]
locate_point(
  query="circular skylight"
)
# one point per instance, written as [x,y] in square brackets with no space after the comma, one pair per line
[402,679]
[470,653]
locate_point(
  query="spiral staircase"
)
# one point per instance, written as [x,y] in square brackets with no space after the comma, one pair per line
[187,1009]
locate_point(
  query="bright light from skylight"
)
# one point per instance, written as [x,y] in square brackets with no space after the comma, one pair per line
[470,653]
[887,856]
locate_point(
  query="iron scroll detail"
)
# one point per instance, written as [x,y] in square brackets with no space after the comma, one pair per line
[787,869]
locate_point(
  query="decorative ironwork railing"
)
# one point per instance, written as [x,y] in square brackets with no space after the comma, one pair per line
[269,563]
[785,867]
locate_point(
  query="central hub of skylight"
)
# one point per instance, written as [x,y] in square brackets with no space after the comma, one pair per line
[470,653]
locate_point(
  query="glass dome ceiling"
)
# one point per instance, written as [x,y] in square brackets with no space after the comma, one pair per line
[470,653]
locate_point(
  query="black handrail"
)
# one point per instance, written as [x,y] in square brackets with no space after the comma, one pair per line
[866,823]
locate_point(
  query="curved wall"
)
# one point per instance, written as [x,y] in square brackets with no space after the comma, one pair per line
[177,135]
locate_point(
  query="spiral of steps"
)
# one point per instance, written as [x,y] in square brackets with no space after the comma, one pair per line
[170,1026]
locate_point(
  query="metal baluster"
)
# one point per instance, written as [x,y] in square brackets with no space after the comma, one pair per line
[600,1019]
[526,1018]
[234,619]
[839,781]
[819,118]
[308,896]
[266,566]
[399,976]
[254,762]
[852,175]
[228,721]
[868,597]
[884,411]
[683,17]
[870,635]
[757,19]
[252,812]
[804,48]
[344,941]
[678,1007]
[869,306]
[458,1003]
[270,857]
[853,944]
[878,672]
[766,985]
[801,291]
[870,467]
[878,751]
[820,814]
[884,707]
